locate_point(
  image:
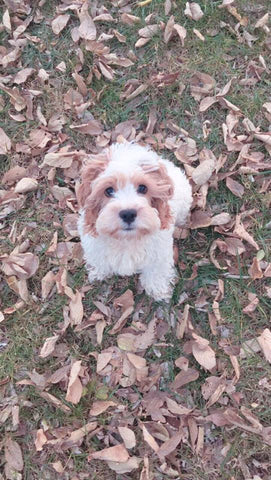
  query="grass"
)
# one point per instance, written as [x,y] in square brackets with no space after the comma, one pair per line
[222,57]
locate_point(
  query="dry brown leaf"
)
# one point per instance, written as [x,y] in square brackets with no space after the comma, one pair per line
[76,308]
[265,343]
[99,327]
[149,438]
[206,103]
[184,377]
[262,21]
[255,270]
[5,143]
[26,185]
[199,34]
[23,75]
[13,455]
[200,219]
[125,467]
[13,174]
[241,232]
[203,353]
[202,173]
[87,28]
[48,346]
[6,20]
[102,360]
[193,11]
[176,408]
[93,127]
[59,23]
[220,219]
[129,19]
[146,339]
[149,31]
[55,401]
[170,445]
[61,159]
[235,187]
[169,30]
[126,300]
[22,265]
[100,407]
[251,307]
[75,389]
[40,439]
[127,436]
[118,453]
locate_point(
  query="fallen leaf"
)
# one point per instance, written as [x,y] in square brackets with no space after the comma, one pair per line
[5,143]
[76,308]
[203,353]
[13,455]
[13,175]
[102,360]
[118,453]
[125,467]
[40,440]
[59,23]
[87,28]
[48,346]
[149,438]
[235,187]
[265,343]
[127,436]
[255,270]
[22,265]
[100,407]
[184,377]
[193,11]
[170,445]
[23,75]
[26,185]
[75,389]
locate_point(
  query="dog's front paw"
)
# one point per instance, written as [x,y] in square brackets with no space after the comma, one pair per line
[159,290]
[95,275]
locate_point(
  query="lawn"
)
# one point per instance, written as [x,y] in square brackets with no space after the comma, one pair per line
[99,381]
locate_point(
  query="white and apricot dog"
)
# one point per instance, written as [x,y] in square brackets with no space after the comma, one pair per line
[130,199]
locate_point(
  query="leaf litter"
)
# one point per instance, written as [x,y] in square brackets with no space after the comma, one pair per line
[151,414]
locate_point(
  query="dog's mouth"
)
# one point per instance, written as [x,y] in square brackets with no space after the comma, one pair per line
[128,229]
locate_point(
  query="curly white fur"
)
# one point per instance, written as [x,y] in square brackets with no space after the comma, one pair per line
[147,247]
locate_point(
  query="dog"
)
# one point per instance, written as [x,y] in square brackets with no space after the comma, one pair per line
[130,200]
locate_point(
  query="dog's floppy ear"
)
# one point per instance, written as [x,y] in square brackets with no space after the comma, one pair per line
[162,189]
[92,168]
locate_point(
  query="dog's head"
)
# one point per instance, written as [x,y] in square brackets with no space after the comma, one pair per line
[125,192]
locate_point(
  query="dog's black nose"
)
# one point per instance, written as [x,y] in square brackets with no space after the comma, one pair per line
[128,216]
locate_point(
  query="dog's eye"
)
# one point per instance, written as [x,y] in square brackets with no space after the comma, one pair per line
[142,189]
[109,192]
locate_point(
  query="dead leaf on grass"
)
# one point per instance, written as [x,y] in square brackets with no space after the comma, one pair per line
[22,265]
[40,439]
[48,346]
[127,436]
[26,185]
[203,353]
[75,388]
[118,453]
[100,407]
[193,11]
[13,455]
[5,143]
[265,343]
[125,467]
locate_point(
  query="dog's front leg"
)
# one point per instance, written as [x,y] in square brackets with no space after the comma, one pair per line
[97,274]
[157,276]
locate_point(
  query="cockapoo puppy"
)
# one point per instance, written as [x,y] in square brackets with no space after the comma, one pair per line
[130,199]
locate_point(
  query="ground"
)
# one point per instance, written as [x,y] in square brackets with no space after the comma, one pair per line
[99,381]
